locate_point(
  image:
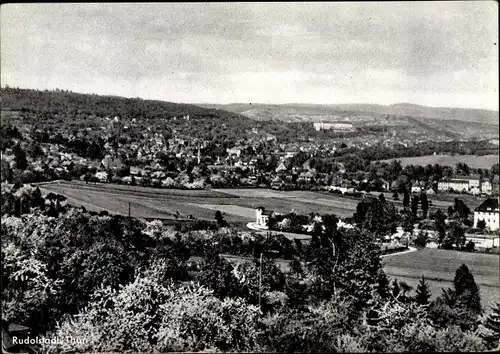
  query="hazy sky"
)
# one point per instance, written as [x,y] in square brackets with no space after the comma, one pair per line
[432,53]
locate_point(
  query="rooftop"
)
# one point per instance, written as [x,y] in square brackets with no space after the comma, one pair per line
[490,204]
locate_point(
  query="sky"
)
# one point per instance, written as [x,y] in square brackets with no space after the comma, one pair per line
[442,54]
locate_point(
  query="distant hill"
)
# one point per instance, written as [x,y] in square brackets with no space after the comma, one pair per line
[314,112]
[71,103]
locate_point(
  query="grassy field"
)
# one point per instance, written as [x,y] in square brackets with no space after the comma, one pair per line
[202,204]
[151,204]
[439,266]
[238,205]
[473,161]
[302,202]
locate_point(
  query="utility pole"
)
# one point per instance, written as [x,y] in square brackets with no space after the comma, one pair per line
[129,209]
[260,279]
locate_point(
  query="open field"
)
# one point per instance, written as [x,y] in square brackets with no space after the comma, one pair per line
[302,202]
[244,212]
[439,266]
[473,161]
[237,204]
[148,204]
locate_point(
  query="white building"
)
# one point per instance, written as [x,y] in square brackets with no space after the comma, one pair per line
[235,151]
[342,188]
[322,126]
[127,179]
[340,224]
[281,167]
[457,184]
[488,211]
[483,241]
[102,176]
[262,217]
[486,187]
[474,181]
[337,126]
[416,189]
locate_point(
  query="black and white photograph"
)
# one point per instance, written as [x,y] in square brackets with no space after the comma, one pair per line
[250,177]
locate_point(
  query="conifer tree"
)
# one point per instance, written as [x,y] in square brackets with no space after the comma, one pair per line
[406,199]
[466,289]
[423,292]
[395,288]
[382,284]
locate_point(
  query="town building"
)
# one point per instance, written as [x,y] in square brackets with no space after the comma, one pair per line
[486,187]
[322,126]
[102,176]
[262,217]
[416,189]
[307,166]
[457,184]
[474,181]
[110,162]
[235,151]
[281,167]
[344,187]
[336,126]
[483,242]
[488,211]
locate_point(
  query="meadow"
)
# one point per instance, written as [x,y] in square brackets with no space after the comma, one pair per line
[439,266]
[473,161]
[238,205]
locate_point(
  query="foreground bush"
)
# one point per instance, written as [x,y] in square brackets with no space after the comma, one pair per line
[154,314]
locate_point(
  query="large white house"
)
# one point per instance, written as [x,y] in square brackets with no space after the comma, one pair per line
[336,126]
[488,211]
[470,184]
[262,217]
[457,184]
[322,126]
